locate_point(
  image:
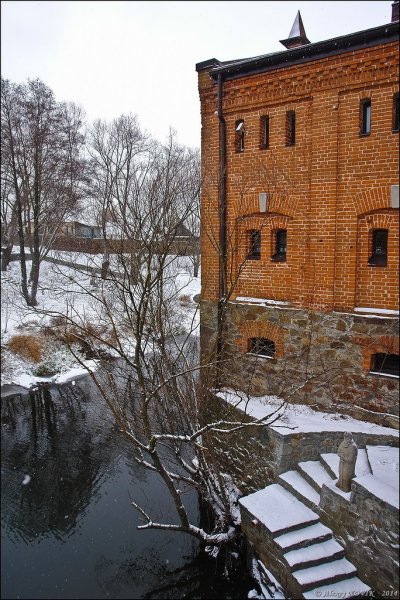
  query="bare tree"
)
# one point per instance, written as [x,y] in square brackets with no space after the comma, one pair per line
[42,169]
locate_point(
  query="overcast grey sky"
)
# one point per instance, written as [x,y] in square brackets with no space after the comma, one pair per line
[139,57]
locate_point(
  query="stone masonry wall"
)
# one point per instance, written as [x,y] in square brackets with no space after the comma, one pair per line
[321,359]
[369,529]
[256,455]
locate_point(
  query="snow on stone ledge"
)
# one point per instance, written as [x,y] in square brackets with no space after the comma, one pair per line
[295,418]
[260,301]
[379,488]
[377,311]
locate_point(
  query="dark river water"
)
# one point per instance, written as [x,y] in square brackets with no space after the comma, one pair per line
[68,529]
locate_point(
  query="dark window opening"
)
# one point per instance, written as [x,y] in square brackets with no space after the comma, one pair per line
[386,364]
[290,128]
[239,136]
[254,244]
[396,112]
[365,117]
[378,257]
[262,346]
[280,246]
[264,132]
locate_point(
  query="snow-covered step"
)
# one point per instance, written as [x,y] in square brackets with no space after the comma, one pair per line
[330,460]
[278,510]
[347,588]
[297,485]
[324,574]
[303,537]
[331,463]
[315,473]
[314,555]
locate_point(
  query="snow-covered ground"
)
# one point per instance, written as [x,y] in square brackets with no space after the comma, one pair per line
[67,291]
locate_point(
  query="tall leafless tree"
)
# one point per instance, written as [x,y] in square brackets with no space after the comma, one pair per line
[41,146]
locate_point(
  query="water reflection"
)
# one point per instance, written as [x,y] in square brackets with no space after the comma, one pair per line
[68,527]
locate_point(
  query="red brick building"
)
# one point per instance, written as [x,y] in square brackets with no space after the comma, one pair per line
[300,237]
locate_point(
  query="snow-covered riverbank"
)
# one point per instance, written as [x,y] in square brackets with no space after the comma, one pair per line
[66,291]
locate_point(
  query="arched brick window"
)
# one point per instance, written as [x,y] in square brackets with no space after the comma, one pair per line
[385,364]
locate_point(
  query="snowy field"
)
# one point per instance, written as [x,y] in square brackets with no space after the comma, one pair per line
[67,291]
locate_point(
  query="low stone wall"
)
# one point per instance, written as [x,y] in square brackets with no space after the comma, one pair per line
[255,456]
[321,358]
[368,527]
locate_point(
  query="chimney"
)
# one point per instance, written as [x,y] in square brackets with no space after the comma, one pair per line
[395,11]
[297,36]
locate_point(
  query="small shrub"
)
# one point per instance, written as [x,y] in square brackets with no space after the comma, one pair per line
[185,299]
[26,346]
[45,369]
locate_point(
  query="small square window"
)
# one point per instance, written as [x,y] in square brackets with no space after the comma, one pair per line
[262,347]
[279,246]
[378,257]
[254,245]
[239,136]
[290,128]
[264,132]
[396,112]
[385,364]
[365,116]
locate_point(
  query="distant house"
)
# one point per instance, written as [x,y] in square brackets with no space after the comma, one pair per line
[81,230]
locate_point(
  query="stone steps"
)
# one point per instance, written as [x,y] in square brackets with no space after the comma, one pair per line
[315,474]
[301,538]
[324,574]
[346,588]
[315,554]
[295,483]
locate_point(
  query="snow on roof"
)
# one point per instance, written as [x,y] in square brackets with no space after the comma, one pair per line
[297,418]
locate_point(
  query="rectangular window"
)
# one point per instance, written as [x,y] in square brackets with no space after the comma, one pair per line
[378,257]
[385,364]
[396,112]
[262,346]
[290,128]
[239,136]
[280,246]
[264,132]
[365,116]
[254,244]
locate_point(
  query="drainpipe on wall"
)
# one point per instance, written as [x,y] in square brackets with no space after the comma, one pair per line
[222,229]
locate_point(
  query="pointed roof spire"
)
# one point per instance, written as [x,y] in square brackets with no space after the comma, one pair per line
[297,36]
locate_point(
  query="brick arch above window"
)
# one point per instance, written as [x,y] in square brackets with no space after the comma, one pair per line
[379,220]
[374,198]
[268,221]
[386,344]
[277,203]
[262,329]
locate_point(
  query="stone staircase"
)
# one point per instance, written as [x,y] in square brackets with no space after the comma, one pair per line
[308,557]
[307,480]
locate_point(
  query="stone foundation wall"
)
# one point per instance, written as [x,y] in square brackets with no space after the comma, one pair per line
[323,358]
[369,529]
[256,455]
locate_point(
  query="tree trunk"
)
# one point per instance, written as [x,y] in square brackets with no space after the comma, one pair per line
[6,257]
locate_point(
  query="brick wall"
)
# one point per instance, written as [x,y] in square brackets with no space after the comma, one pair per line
[329,191]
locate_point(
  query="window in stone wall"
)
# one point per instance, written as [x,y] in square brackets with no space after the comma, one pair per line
[365,116]
[254,244]
[290,128]
[385,364]
[262,347]
[378,257]
[264,132]
[239,136]
[279,245]
[396,112]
